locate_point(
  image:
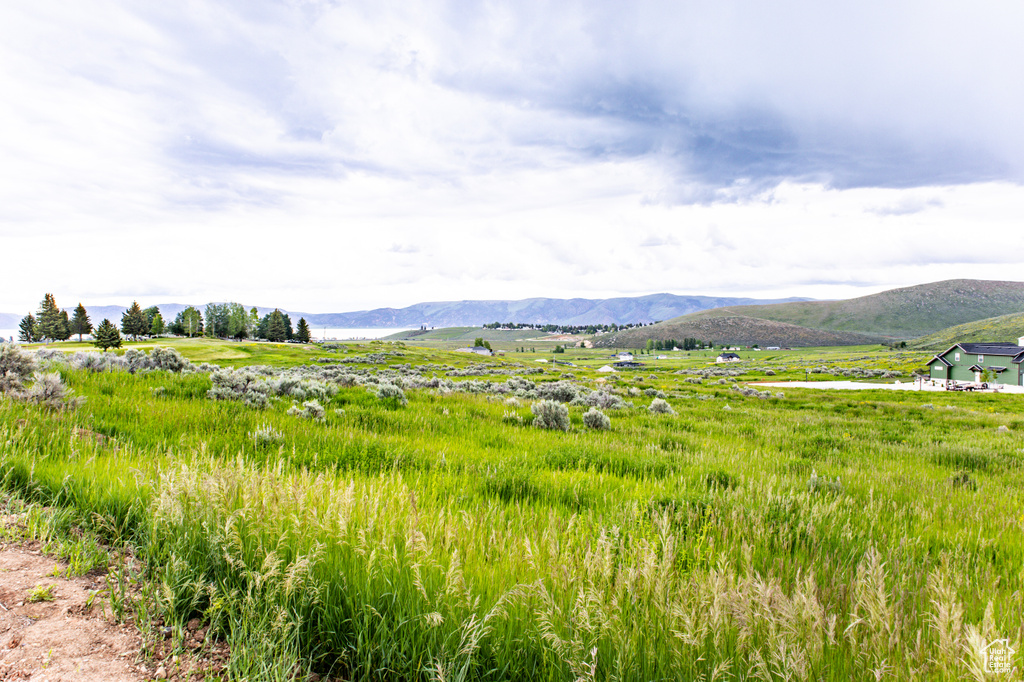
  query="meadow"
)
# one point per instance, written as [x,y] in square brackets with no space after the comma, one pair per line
[439,535]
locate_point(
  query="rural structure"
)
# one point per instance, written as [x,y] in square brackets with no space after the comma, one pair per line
[998,363]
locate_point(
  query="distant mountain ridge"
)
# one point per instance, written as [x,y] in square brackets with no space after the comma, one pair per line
[904,313]
[572,311]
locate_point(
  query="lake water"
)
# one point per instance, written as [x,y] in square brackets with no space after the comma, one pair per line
[318,334]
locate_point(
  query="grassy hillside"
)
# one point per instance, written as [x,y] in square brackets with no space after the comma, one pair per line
[720,328]
[903,313]
[443,535]
[1003,328]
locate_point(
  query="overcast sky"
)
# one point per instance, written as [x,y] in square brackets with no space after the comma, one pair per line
[329,156]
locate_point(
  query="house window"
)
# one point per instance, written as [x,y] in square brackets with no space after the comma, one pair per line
[956,357]
[981,359]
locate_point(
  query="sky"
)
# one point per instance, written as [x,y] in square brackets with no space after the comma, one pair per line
[329,156]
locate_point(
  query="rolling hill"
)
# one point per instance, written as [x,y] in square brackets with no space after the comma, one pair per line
[1002,328]
[739,330]
[904,313]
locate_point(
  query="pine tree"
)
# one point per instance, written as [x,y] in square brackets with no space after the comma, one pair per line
[64,328]
[48,320]
[107,336]
[80,323]
[302,331]
[133,322]
[275,327]
[28,330]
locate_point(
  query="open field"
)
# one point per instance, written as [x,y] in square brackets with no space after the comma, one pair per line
[744,534]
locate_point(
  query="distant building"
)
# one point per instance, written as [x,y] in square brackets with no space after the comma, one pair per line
[627,364]
[479,350]
[773,348]
[728,357]
[1001,362]
[625,356]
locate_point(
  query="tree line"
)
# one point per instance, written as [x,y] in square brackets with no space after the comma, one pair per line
[226,320]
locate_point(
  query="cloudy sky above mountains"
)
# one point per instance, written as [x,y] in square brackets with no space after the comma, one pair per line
[327,156]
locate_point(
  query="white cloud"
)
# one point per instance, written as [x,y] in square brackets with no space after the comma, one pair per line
[323,156]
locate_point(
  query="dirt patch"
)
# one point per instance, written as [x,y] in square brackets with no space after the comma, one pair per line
[63,636]
[54,628]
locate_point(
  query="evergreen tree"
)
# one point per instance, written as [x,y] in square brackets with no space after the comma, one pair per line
[302,331]
[64,329]
[133,322]
[28,330]
[107,336]
[275,327]
[80,323]
[48,321]
[157,327]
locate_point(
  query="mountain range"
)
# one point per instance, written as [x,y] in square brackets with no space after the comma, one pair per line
[572,311]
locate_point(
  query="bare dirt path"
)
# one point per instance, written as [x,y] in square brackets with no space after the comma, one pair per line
[53,628]
[64,636]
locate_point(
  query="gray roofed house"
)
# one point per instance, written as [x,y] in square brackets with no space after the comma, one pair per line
[1000,361]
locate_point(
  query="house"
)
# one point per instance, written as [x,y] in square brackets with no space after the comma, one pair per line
[998,363]
[728,357]
[627,364]
[625,356]
[479,350]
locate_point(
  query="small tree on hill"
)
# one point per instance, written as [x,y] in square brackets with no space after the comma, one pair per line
[28,331]
[133,322]
[80,323]
[302,331]
[107,336]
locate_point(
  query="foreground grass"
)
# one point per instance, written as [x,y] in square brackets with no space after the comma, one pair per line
[815,536]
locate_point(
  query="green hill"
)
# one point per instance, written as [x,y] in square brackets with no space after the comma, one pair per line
[1002,328]
[905,313]
[739,330]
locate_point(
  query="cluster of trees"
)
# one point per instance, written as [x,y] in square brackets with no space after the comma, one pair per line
[688,343]
[227,320]
[230,320]
[566,328]
[50,323]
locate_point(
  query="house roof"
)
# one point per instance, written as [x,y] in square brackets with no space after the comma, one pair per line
[1010,349]
[941,359]
[728,355]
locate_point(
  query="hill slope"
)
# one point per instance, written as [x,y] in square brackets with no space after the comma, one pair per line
[904,313]
[1003,328]
[733,329]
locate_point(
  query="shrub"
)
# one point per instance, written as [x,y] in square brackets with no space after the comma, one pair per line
[265,434]
[243,385]
[311,409]
[562,391]
[660,406]
[15,367]
[168,359]
[596,419]
[390,392]
[49,391]
[549,414]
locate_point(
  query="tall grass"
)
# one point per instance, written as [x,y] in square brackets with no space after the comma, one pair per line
[442,540]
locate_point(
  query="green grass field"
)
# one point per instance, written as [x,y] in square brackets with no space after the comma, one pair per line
[808,536]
